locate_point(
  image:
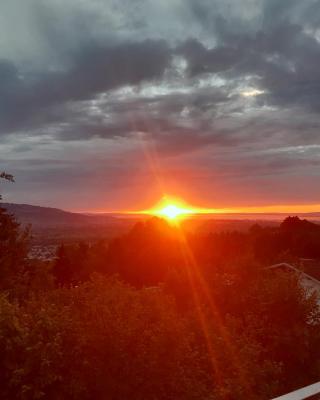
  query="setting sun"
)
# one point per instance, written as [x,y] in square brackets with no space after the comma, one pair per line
[171,208]
[171,211]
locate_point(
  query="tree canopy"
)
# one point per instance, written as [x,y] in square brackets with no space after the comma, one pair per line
[155,314]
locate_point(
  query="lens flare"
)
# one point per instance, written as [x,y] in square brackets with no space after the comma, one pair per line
[171,209]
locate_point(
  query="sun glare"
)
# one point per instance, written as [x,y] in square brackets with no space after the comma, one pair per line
[171,211]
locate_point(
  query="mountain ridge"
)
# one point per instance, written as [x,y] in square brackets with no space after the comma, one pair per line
[51,216]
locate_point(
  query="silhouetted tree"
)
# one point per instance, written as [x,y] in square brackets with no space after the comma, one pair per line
[14,244]
[62,268]
[71,265]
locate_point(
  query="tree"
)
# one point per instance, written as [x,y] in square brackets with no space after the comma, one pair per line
[13,247]
[72,265]
[8,177]
[99,340]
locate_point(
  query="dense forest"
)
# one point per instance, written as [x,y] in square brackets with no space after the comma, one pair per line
[154,250]
[158,314]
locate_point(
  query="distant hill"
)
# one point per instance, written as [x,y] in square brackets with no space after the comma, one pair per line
[52,226]
[54,217]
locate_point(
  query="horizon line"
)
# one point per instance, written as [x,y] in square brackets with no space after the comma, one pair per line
[274,209]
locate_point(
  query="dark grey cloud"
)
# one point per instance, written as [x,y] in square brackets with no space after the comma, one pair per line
[277,53]
[213,80]
[219,59]
[94,69]
[282,61]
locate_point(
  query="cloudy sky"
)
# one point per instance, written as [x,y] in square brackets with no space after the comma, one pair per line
[109,104]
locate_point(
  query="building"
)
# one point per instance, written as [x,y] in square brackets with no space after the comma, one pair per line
[306,280]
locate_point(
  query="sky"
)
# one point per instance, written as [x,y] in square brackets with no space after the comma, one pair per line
[110,104]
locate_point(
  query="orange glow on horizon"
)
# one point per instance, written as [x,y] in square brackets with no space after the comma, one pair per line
[174,208]
[171,209]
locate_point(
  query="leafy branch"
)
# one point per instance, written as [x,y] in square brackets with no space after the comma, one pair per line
[6,176]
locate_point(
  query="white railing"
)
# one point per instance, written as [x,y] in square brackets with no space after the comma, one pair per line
[302,394]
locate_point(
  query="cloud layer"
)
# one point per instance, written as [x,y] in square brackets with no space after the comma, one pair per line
[216,101]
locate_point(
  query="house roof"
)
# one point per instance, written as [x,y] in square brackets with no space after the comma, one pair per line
[297,270]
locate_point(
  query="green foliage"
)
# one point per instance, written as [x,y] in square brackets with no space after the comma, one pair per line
[100,340]
[13,250]
[295,238]
[8,177]
[103,339]
[74,264]
[13,247]
[196,326]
